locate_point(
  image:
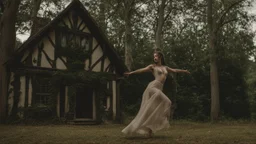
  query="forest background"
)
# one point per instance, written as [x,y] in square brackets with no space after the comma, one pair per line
[214,40]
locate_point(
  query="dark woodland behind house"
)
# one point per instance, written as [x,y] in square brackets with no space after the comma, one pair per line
[214,40]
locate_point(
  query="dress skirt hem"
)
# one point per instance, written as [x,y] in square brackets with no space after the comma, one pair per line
[154,111]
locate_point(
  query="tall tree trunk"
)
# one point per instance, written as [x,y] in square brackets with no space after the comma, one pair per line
[160,23]
[7,45]
[1,8]
[215,104]
[161,17]
[129,6]
[34,10]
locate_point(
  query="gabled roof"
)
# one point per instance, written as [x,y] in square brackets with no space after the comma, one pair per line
[92,26]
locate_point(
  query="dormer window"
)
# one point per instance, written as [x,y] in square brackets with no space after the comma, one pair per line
[63,41]
[75,40]
[85,44]
[75,46]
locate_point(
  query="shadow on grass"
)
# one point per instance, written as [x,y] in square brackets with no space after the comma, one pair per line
[144,137]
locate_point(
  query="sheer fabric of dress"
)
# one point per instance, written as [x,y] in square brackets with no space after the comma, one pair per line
[154,111]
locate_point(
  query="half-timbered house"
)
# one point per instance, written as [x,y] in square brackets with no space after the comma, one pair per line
[69,43]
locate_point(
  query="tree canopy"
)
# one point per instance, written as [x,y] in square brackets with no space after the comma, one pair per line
[180,29]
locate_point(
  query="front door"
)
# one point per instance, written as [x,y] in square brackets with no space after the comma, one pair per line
[84,103]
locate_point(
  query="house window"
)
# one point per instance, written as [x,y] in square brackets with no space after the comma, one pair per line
[76,46]
[75,40]
[43,90]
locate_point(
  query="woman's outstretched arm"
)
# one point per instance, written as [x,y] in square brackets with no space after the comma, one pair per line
[145,69]
[177,70]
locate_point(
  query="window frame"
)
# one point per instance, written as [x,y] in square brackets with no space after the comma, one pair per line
[41,95]
[61,29]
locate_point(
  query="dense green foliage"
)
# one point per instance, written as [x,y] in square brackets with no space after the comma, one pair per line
[185,47]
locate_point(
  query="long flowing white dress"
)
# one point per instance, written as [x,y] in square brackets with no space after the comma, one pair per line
[155,107]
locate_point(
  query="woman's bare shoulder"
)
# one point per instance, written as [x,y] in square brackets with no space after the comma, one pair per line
[151,66]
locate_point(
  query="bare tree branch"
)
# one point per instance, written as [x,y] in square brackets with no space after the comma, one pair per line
[139,6]
[181,30]
[166,17]
[142,4]
[224,23]
[221,19]
[169,1]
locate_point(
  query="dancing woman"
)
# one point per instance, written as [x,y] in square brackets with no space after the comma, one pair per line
[155,107]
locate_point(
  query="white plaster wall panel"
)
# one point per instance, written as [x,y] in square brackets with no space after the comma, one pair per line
[30,92]
[108,103]
[98,53]
[106,63]
[48,47]
[21,103]
[66,100]
[94,43]
[108,98]
[86,30]
[97,68]
[71,20]
[86,64]
[44,62]
[114,99]
[25,55]
[84,27]
[60,64]
[11,94]
[79,21]
[66,21]
[35,56]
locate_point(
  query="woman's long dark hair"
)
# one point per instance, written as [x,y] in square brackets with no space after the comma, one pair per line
[161,55]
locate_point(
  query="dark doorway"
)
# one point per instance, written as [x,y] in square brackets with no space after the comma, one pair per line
[84,103]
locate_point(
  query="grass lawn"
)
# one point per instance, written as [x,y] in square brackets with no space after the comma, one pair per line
[179,132]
